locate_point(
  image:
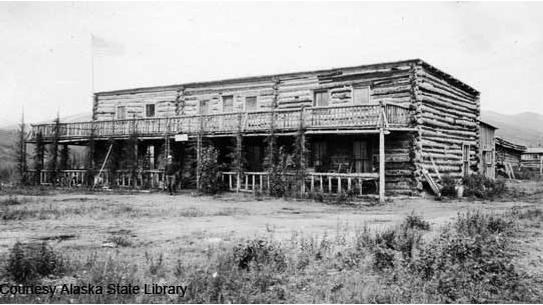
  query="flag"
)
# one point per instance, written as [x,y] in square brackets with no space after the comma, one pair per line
[101,46]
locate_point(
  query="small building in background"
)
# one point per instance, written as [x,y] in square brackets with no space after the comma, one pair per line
[487,150]
[508,153]
[533,158]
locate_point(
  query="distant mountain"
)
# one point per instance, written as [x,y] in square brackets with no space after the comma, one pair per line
[66,119]
[524,128]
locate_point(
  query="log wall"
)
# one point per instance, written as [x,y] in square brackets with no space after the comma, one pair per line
[447,115]
[507,155]
[389,83]
[399,164]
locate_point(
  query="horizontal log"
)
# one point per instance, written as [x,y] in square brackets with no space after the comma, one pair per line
[445,94]
[424,74]
[436,99]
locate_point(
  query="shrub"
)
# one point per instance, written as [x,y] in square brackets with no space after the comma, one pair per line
[383,258]
[476,223]
[345,197]
[155,265]
[317,196]
[403,240]
[470,262]
[29,262]
[210,176]
[414,221]
[527,173]
[258,253]
[483,187]
[448,186]
[120,240]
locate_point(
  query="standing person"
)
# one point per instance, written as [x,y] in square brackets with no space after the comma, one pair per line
[171,172]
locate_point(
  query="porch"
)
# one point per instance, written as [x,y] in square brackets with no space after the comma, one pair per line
[335,164]
[326,183]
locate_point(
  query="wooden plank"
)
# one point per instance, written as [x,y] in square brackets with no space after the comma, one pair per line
[103,165]
[435,168]
[432,183]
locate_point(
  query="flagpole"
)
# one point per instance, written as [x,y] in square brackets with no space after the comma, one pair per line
[92,67]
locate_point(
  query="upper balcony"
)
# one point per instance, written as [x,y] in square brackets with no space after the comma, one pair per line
[314,119]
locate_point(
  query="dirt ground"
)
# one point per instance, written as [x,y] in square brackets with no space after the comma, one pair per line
[157,222]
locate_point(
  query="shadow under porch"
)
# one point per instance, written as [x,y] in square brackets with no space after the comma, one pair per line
[335,163]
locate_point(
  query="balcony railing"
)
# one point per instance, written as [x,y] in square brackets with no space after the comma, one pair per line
[312,118]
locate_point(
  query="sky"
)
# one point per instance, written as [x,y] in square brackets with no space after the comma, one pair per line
[47,58]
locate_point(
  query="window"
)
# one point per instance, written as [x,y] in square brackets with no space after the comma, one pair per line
[361,95]
[203,108]
[250,103]
[322,98]
[228,103]
[121,112]
[150,110]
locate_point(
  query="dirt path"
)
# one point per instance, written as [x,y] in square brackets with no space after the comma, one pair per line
[161,222]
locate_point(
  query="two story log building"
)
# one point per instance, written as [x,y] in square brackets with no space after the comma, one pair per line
[384,122]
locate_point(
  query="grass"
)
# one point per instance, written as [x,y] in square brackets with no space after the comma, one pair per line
[187,240]
[39,211]
[470,260]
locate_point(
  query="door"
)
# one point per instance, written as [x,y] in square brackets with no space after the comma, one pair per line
[488,163]
[465,159]
[361,159]
[254,157]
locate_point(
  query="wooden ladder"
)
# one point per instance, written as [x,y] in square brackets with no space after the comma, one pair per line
[433,185]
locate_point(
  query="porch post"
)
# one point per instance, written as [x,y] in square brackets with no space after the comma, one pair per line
[381,165]
[383,123]
[301,134]
[239,153]
[198,152]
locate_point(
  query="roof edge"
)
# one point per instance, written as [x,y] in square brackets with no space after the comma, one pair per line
[272,76]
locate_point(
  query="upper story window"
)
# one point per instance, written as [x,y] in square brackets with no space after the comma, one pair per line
[203,108]
[322,98]
[150,110]
[228,103]
[121,112]
[361,95]
[250,103]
